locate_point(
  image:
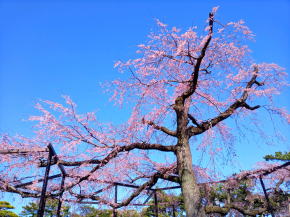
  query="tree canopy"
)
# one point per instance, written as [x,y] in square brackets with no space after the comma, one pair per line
[186,87]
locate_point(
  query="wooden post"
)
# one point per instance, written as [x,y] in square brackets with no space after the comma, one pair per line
[155,204]
[266,196]
[40,211]
[60,196]
[115,214]
[63,174]
[173,211]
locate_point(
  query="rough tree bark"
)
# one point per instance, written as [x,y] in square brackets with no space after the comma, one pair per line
[189,187]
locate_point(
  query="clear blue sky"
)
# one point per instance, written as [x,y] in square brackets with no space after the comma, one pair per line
[53,48]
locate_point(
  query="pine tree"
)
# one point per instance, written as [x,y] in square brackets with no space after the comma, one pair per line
[4,212]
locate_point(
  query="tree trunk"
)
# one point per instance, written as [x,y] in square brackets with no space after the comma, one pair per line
[189,187]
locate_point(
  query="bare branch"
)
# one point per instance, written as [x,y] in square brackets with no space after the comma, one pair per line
[194,121]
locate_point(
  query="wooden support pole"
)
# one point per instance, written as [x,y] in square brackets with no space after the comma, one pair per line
[266,196]
[115,214]
[60,166]
[148,198]
[155,204]
[173,211]
[22,151]
[60,196]
[40,212]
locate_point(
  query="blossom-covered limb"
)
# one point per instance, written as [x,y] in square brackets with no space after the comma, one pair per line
[147,185]
[112,155]
[194,75]
[179,60]
[24,192]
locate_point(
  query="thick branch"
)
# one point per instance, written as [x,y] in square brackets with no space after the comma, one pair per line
[171,178]
[239,103]
[22,151]
[112,154]
[161,128]
[194,75]
[117,150]
[68,163]
[242,209]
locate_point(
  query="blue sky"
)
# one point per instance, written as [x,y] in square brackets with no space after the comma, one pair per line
[54,48]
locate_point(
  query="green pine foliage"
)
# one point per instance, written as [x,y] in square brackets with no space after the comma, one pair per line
[4,212]
[89,211]
[31,209]
[167,204]
[278,156]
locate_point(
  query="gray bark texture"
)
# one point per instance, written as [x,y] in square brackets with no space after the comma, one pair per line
[190,190]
